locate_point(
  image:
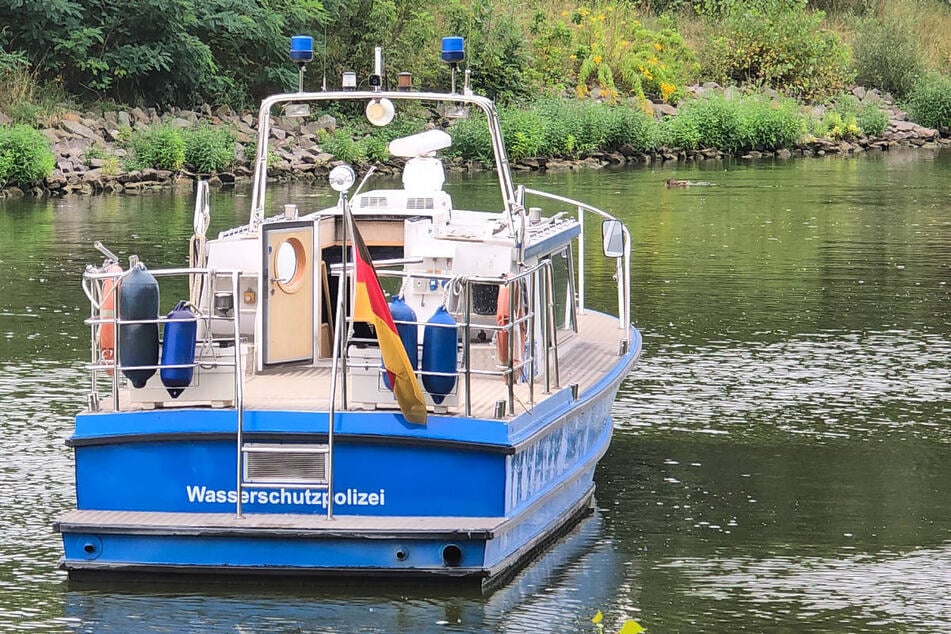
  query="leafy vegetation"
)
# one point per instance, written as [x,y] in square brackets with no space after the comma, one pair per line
[557,128]
[775,43]
[872,120]
[609,50]
[209,149]
[602,66]
[734,124]
[25,156]
[573,129]
[846,119]
[887,55]
[159,51]
[930,101]
[161,147]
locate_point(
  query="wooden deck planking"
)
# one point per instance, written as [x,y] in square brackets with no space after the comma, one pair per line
[583,359]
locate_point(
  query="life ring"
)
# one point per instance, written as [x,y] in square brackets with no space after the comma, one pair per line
[503,318]
[107,312]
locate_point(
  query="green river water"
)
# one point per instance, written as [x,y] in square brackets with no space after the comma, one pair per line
[782,454]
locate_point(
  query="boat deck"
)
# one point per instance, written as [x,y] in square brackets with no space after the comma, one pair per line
[341,526]
[583,359]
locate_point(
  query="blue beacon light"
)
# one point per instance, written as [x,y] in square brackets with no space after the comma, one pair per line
[453,52]
[302,51]
[453,49]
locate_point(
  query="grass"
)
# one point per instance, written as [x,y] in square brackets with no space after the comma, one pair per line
[27,101]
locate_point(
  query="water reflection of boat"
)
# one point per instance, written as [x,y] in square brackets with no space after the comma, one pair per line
[578,574]
[280,426]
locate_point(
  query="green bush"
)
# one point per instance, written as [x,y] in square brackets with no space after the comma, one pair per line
[557,128]
[846,117]
[209,148]
[572,128]
[470,140]
[837,125]
[887,55]
[930,101]
[497,51]
[160,51]
[733,124]
[776,43]
[343,146]
[25,156]
[524,132]
[681,131]
[161,147]
[767,124]
[716,120]
[634,127]
[872,119]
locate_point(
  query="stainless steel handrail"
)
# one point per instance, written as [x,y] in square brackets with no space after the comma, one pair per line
[623,265]
[206,316]
[540,273]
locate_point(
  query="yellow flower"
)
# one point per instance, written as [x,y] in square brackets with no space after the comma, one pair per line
[564,14]
[584,11]
[666,90]
[597,59]
[658,46]
[572,57]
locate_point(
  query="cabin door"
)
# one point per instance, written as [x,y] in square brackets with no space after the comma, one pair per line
[288,287]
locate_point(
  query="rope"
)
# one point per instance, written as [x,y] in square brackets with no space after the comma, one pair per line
[453,290]
[197,255]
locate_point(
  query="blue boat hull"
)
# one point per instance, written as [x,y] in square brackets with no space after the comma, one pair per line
[461,497]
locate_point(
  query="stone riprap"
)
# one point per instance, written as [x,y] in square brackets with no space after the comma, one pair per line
[90,159]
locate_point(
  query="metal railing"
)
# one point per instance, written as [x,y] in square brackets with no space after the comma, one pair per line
[93,285]
[622,264]
[530,294]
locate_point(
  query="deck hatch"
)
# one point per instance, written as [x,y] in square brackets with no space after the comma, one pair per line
[285,464]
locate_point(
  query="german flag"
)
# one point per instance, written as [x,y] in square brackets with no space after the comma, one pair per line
[370,306]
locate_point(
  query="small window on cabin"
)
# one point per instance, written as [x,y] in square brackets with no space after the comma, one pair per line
[563,291]
[485,298]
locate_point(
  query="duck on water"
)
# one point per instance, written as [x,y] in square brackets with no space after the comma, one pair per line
[286,418]
[679,183]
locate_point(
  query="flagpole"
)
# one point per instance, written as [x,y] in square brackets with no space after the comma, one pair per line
[345,287]
[338,346]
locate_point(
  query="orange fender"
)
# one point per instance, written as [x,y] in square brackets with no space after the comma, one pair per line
[107,311]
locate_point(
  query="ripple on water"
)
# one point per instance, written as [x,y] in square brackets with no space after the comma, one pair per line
[858,593]
[35,486]
[832,384]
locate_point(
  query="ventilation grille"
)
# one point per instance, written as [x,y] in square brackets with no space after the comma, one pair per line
[419,203]
[375,202]
[285,464]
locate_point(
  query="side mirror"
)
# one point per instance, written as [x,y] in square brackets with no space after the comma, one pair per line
[612,238]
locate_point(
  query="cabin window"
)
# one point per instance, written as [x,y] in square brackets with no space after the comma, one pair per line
[290,264]
[485,298]
[563,291]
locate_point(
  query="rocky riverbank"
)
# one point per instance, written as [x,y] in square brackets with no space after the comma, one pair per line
[90,154]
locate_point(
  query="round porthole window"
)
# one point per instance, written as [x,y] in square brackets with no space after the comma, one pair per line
[289,264]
